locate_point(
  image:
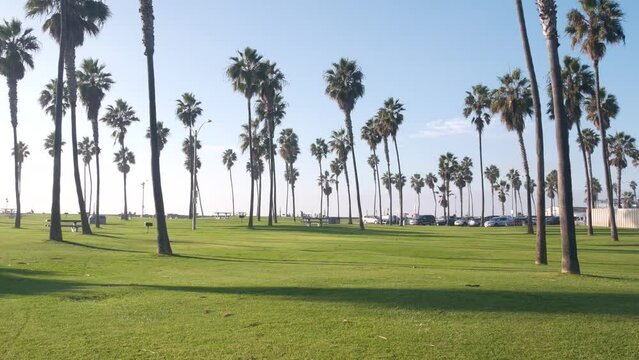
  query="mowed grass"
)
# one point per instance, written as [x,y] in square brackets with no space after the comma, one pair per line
[293,292]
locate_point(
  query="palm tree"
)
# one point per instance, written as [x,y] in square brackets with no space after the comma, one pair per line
[325,181]
[229,157]
[336,170]
[341,146]
[448,165]
[344,85]
[47,98]
[621,146]
[373,162]
[390,118]
[383,132]
[552,189]
[319,149]
[86,148]
[417,183]
[633,186]
[119,118]
[188,110]
[83,17]
[93,83]
[372,138]
[492,175]
[162,134]
[49,144]
[589,141]
[431,180]
[16,55]
[477,107]
[596,190]
[388,180]
[400,181]
[513,177]
[502,187]
[146,11]
[513,101]
[289,150]
[124,158]
[292,179]
[462,176]
[598,24]
[20,152]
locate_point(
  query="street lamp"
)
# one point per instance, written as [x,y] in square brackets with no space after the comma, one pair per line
[194,176]
[143,184]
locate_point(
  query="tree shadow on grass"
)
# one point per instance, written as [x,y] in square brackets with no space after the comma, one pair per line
[95,247]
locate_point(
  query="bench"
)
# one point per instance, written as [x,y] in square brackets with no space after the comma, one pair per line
[73,224]
[309,221]
[222,215]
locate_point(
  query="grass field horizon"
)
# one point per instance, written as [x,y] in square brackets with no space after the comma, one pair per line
[318,293]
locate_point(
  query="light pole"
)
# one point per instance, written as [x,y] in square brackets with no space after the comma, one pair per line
[194,176]
[143,184]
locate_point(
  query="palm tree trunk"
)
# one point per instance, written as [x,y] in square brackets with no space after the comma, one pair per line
[593,204]
[435,201]
[348,192]
[73,91]
[191,167]
[12,83]
[55,230]
[232,192]
[374,192]
[90,189]
[569,260]
[461,202]
[527,174]
[419,204]
[619,169]
[541,257]
[84,181]
[94,125]
[259,198]
[604,150]
[251,160]
[293,198]
[321,190]
[379,188]
[401,189]
[390,187]
[337,192]
[271,162]
[126,208]
[588,185]
[481,168]
[199,196]
[286,165]
[349,127]
[492,192]
[327,205]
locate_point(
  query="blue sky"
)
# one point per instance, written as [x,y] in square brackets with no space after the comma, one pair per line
[426,53]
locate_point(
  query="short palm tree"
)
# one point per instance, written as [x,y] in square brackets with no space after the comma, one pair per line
[596,190]
[588,142]
[417,183]
[502,187]
[49,142]
[229,157]
[188,110]
[622,146]
[431,180]
[552,189]
[391,117]
[477,107]
[448,165]
[243,74]
[324,181]
[463,177]
[344,85]
[319,150]
[513,178]
[400,182]
[336,167]
[20,152]
[597,24]
[293,175]
[162,132]
[513,101]
[93,83]
[124,158]
[372,138]
[633,187]
[341,146]
[16,55]
[492,175]
[289,150]
[87,150]
[373,162]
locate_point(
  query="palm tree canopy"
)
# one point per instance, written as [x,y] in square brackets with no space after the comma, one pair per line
[578,81]
[49,141]
[621,146]
[388,179]
[243,72]
[86,149]
[597,24]
[83,17]
[491,173]
[370,133]
[93,83]
[123,158]
[430,180]
[477,106]
[289,145]
[336,168]
[551,184]
[609,109]
[188,109]
[16,49]
[589,140]
[270,81]
[390,116]
[373,161]
[22,151]
[447,165]
[399,180]
[340,144]
[513,100]
[119,118]
[344,83]
[229,157]
[48,95]
[319,149]
[163,134]
[417,183]
[292,176]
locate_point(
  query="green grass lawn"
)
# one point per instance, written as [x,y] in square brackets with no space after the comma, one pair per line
[293,292]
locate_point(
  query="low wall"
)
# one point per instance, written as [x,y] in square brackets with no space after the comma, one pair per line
[626,218]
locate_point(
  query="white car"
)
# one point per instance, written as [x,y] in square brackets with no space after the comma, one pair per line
[370,220]
[500,221]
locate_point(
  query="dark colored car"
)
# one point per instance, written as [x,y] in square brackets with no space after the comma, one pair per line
[450,221]
[422,220]
[552,220]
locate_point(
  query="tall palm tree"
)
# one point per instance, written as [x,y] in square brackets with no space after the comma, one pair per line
[400,182]
[319,149]
[541,257]
[463,177]
[388,180]
[49,144]
[384,132]
[162,134]
[502,187]
[622,146]
[86,148]
[20,152]
[124,158]
[598,24]
[292,179]
[391,117]
[243,74]
[492,175]
[552,189]
[417,183]
[373,138]
[83,17]
[119,117]
[229,157]
[431,180]
[373,162]
[93,83]
[326,179]
[336,170]
[341,146]
[448,165]
[588,142]
[477,107]
[289,150]
[344,85]
[188,110]
[513,101]
[16,55]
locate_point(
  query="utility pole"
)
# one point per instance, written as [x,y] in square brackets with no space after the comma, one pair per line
[143,184]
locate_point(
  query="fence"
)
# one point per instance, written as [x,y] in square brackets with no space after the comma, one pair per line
[626,218]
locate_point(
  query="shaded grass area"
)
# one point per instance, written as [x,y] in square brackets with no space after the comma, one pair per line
[321,293]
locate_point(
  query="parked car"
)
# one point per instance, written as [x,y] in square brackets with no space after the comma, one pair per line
[461,222]
[442,221]
[422,220]
[385,219]
[499,221]
[552,220]
[474,221]
[370,220]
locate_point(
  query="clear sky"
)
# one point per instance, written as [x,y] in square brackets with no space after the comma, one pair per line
[426,53]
